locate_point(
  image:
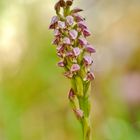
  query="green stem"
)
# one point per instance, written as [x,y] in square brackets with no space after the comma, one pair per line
[82,92]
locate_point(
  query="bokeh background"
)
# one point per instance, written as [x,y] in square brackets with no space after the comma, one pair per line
[33,91]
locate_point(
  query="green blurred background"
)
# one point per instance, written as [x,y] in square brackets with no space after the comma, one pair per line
[33,91]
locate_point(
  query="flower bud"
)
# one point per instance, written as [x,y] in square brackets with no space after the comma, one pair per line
[71,94]
[77,17]
[68,74]
[76,10]
[62,3]
[79,113]
[69,2]
[57,7]
[61,64]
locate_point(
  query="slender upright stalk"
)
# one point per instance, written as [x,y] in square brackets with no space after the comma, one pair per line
[70,33]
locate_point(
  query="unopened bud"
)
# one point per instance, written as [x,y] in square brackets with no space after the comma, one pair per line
[69,2]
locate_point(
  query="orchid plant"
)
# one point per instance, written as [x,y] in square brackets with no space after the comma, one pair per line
[70,38]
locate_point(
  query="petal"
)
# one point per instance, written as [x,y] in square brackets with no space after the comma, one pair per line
[70,20]
[75,67]
[82,41]
[90,48]
[73,34]
[76,51]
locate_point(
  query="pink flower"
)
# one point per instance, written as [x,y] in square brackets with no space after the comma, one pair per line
[66,40]
[70,20]
[73,34]
[75,68]
[76,51]
[56,32]
[90,76]
[61,24]
[82,25]
[86,32]
[89,48]
[82,41]
[53,22]
[88,60]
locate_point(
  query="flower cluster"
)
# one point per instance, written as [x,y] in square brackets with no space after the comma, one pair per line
[74,50]
[70,33]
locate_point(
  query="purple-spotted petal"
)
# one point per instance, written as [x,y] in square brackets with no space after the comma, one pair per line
[75,67]
[66,40]
[82,41]
[61,24]
[88,60]
[73,34]
[61,64]
[79,113]
[82,25]
[90,48]
[76,51]
[76,10]
[70,20]
[86,32]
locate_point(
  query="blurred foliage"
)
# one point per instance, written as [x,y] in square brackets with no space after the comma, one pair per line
[33,91]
